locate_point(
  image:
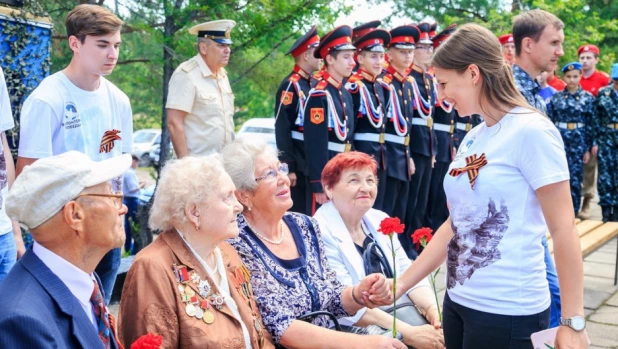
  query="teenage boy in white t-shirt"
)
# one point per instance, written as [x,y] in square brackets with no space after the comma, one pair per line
[78,109]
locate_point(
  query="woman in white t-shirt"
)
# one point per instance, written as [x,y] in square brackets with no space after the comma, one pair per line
[508,184]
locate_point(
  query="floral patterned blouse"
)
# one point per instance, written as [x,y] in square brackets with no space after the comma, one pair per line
[287,289]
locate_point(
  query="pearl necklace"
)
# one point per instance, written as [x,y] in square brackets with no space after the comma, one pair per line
[274,242]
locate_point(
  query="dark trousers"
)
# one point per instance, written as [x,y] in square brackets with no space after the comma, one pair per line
[129,219]
[437,211]
[107,269]
[417,202]
[311,204]
[466,328]
[299,193]
[379,203]
[396,198]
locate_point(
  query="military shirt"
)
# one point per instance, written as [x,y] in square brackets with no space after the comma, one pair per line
[529,88]
[573,115]
[423,138]
[606,108]
[328,126]
[289,105]
[209,102]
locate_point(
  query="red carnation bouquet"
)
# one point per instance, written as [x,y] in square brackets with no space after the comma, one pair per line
[391,226]
[148,341]
[421,237]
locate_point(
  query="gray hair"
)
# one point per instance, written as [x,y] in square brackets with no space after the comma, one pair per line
[190,180]
[239,160]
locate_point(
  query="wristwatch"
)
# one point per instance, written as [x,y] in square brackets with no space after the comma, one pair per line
[577,323]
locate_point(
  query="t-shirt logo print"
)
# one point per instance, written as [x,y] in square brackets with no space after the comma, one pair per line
[107,142]
[71,116]
[476,247]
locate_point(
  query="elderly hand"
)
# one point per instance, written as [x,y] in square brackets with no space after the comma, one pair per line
[375,291]
[423,337]
[567,338]
[432,315]
[381,342]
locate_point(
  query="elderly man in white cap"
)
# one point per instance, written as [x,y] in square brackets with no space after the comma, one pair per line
[200,104]
[52,297]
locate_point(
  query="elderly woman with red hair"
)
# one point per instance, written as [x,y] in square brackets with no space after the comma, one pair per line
[349,227]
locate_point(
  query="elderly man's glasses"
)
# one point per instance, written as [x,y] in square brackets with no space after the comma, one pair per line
[116,198]
[271,175]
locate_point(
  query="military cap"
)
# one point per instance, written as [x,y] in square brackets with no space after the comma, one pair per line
[365,28]
[218,31]
[373,41]
[339,39]
[572,66]
[310,39]
[614,73]
[589,48]
[404,37]
[424,28]
[432,30]
[505,39]
[443,35]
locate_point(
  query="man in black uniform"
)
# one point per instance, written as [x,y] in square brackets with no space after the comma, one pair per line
[289,105]
[444,126]
[400,111]
[328,117]
[369,100]
[422,136]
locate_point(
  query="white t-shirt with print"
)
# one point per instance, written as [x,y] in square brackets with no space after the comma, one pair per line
[58,117]
[496,260]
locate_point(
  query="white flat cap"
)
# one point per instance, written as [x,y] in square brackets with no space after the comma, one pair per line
[218,31]
[44,187]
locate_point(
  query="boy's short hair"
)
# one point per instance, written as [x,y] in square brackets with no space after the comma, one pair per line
[93,20]
[530,24]
[134,157]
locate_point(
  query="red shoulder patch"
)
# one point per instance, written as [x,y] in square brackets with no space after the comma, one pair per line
[321,85]
[387,78]
[317,115]
[286,97]
[355,78]
[295,77]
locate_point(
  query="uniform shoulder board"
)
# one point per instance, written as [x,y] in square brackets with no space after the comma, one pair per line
[189,65]
[318,75]
[355,78]
[387,78]
[410,79]
[294,77]
[321,85]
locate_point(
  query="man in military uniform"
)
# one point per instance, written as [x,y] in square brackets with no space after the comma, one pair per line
[592,80]
[606,136]
[328,118]
[289,105]
[200,104]
[508,47]
[444,127]
[422,136]
[368,94]
[400,97]
[572,110]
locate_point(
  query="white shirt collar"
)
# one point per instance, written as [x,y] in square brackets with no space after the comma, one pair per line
[77,281]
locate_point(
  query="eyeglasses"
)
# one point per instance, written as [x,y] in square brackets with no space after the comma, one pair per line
[271,175]
[116,198]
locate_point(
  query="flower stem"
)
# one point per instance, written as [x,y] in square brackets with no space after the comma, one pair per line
[435,292]
[394,288]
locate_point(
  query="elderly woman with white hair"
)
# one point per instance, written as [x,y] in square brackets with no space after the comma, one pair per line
[285,254]
[189,285]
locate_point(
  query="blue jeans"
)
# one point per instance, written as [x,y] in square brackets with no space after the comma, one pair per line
[554,287]
[107,270]
[8,253]
[466,328]
[130,216]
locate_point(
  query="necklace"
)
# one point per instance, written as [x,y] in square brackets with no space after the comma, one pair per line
[274,242]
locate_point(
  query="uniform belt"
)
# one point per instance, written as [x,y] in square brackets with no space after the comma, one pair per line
[298,136]
[444,127]
[422,122]
[570,125]
[463,127]
[613,126]
[339,147]
[370,137]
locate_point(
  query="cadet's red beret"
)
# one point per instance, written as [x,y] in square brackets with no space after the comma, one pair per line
[589,48]
[505,39]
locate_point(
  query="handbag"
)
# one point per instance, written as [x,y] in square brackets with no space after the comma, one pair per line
[374,260]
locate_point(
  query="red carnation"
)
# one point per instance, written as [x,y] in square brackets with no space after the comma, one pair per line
[390,225]
[148,341]
[422,236]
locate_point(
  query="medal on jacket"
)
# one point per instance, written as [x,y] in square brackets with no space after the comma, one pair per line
[197,304]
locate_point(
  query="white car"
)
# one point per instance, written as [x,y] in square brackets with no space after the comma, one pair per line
[260,127]
[144,142]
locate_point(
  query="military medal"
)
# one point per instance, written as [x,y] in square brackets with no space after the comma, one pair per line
[208,317]
[181,289]
[203,288]
[189,291]
[199,313]
[190,309]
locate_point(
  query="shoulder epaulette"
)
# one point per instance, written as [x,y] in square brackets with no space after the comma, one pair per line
[294,77]
[410,79]
[321,85]
[387,78]
[355,78]
[189,65]
[318,75]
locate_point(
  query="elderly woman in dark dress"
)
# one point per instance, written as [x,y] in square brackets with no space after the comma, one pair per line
[285,254]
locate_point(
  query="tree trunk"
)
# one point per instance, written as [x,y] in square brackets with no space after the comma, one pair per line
[516,6]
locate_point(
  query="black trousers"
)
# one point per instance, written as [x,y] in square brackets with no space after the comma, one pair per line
[466,328]
[437,211]
[417,202]
[299,194]
[396,198]
[379,203]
